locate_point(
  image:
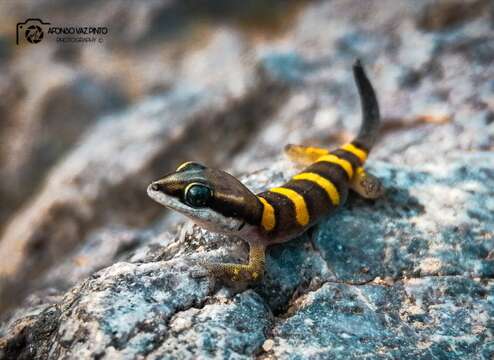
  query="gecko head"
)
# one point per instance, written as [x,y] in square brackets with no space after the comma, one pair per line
[212,198]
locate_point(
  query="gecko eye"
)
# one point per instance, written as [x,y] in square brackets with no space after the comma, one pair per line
[197,195]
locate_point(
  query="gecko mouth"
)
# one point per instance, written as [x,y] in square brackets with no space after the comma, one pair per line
[155,193]
[205,217]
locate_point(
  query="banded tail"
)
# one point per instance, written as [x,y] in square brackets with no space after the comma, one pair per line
[324,184]
[371,118]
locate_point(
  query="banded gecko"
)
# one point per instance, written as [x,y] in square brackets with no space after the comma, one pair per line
[219,202]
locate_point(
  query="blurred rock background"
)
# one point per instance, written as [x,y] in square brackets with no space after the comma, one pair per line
[85,127]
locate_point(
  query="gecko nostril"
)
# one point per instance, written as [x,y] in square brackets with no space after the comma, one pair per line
[155,186]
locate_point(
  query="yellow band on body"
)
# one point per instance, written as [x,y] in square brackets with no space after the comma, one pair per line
[361,154]
[301,212]
[345,164]
[268,220]
[327,185]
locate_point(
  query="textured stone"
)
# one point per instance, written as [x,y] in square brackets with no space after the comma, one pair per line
[416,318]
[103,178]
[388,290]
[407,276]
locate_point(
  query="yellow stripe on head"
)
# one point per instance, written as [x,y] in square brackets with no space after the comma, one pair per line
[361,154]
[301,212]
[268,220]
[345,164]
[184,165]
[324,183]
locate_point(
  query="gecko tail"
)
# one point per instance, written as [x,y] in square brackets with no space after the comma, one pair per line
[371,118]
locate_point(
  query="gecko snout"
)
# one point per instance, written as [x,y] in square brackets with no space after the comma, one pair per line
[155,186]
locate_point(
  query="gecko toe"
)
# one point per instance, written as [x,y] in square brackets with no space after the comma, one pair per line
[199,273]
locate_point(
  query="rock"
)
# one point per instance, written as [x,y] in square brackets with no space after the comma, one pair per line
[341,321]
[50,105]
[223,330]
[157,309]
[99,177]
[152,307]
[103,177]
[47,113]
[409,275]
[52,119]
[446,14]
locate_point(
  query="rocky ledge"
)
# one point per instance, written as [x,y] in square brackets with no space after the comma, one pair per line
[91,268]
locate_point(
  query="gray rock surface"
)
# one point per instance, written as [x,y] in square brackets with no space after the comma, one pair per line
[107,273]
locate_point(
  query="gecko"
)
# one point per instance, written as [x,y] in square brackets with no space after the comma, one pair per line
[219,202]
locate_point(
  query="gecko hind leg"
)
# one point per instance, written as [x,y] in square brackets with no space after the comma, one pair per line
[304,155]
[366,184]
[253,271]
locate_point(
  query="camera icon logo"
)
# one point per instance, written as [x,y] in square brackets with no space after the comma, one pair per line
[31,30]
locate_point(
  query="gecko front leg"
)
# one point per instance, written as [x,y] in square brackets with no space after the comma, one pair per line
[251,272]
